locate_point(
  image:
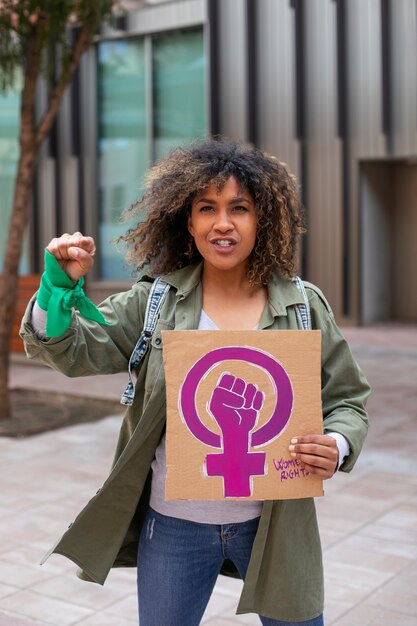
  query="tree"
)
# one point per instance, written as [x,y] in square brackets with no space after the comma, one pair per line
[34,34]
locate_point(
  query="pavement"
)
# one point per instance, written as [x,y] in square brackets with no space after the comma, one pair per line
[368,519]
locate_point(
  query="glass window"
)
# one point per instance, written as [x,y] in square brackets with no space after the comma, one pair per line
[122,143]
[129,133]
[178,89]
[9,154]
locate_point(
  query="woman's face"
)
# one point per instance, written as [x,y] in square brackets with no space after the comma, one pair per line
[223,224]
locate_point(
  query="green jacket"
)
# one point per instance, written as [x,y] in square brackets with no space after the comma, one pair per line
[285,578]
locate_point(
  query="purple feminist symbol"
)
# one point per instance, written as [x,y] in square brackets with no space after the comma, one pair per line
[235,406]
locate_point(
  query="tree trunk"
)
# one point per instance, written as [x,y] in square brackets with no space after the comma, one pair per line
[8,291]
[31,139]
[20,212]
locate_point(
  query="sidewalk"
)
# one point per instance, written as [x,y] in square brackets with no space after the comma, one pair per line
[368,519]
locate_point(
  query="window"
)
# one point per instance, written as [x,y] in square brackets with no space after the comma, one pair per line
[167,70]
[178,90]
[122,148]
[9,154]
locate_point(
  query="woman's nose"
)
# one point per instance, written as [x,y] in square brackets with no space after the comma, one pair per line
[223,222]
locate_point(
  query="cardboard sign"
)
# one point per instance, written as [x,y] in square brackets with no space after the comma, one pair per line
[235,399]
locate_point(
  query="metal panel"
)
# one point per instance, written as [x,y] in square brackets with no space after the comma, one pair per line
[46,201]
[88,135]
[324,206]
[377,201]
[149,100]
[168,16]
[403,31]
[45,187]
[211,41]
[276,81]
[364,76]
[67,166]
[365,119]
[233,107]
[404,294]
[69,204]
[252,46]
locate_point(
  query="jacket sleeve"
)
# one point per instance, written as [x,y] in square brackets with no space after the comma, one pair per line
[87,347]
[344,387]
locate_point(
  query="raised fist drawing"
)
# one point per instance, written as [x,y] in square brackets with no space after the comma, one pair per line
[235,404]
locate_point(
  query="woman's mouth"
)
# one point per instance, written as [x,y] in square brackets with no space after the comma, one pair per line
[223,243]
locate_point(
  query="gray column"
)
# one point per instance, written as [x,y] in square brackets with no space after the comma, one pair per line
[365,115]
[89,152]
[365,77]
[324,208]
[276,74]
[403,37]
[46,201]
[68,169]
[233,75]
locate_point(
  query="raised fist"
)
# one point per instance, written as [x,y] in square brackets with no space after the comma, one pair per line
[235,404]
[74,253]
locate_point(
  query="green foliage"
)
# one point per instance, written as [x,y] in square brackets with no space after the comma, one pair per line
[42,25]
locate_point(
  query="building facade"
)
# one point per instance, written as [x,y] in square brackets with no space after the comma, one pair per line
[328,86]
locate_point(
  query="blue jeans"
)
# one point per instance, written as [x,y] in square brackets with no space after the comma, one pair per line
[178,564]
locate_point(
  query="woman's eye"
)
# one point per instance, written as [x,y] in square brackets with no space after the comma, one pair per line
[240,209]
[205,209]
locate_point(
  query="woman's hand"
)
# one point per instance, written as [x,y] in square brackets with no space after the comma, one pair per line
[318,454]
[74,253]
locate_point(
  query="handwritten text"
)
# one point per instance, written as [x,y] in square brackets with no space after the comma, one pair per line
[290,469]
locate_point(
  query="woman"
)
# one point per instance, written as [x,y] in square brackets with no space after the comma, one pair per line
[222,225]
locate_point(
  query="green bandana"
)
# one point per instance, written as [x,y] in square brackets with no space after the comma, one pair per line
[58,295]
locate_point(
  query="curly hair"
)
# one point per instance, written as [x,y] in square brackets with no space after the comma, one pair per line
[162,241]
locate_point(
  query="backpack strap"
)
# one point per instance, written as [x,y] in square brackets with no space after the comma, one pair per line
[157,295]
[302,310]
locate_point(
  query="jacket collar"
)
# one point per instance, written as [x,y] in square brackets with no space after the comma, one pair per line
[186,279]
[282,293]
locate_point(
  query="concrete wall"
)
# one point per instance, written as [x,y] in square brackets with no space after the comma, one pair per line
[404,304]
[377,195]
[388,241]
